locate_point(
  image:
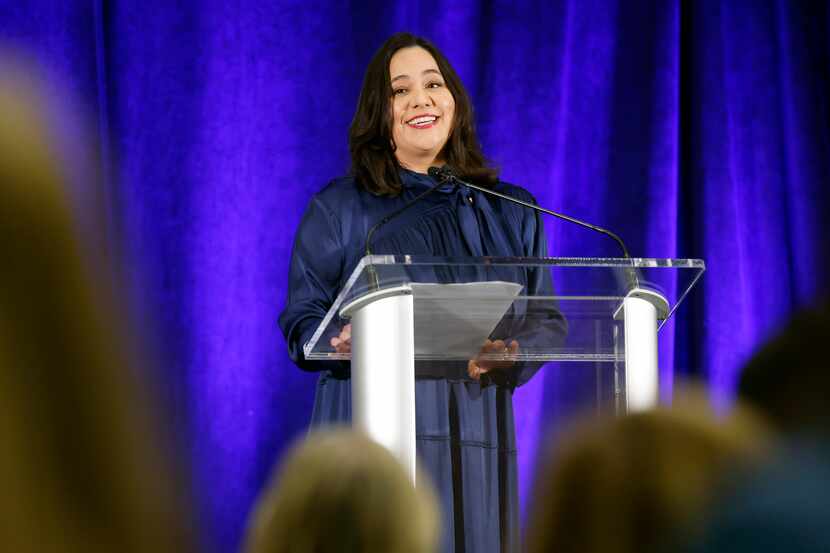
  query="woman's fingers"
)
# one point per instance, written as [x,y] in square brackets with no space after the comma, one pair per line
[473,370]
[343,342]
[342,347]
[483,366]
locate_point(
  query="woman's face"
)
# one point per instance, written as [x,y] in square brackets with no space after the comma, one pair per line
[422,108]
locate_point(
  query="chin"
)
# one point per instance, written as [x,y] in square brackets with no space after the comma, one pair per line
[427,146]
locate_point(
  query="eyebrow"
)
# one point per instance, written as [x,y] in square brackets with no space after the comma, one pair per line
[423,73]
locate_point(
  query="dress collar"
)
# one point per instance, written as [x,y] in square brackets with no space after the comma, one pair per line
[411,179]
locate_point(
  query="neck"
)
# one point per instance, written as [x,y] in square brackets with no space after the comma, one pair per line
[420,165]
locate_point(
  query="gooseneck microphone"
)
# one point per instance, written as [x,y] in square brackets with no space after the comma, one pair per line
[374,283]
[444,175]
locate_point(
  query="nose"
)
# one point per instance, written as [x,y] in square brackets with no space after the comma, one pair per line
[420,98]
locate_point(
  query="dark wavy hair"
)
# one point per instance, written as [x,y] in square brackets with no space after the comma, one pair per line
[372,149]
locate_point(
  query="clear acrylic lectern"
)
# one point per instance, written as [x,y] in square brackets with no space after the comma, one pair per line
[434,310]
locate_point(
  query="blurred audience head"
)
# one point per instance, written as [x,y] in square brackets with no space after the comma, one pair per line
[784,505]
[338,491]
[788,379]
[81,466]
[638,482]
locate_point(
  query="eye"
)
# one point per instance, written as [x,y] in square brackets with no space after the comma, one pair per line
[398,91]
[435,84]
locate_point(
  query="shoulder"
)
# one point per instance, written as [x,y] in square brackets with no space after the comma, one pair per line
[336,191]
[515,191]
[522,218]
[338,195]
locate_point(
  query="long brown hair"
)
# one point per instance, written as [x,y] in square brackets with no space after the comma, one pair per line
[372,149]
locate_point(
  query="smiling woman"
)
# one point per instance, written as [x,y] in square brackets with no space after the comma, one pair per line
[410,78]
[413,113]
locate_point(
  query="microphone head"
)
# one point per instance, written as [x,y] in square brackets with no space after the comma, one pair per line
[441,174]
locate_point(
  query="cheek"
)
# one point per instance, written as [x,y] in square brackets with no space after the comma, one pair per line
[448,107]
[394,113]
[398,110]
[451,112]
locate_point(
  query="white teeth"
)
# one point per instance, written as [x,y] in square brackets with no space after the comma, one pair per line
[422,120]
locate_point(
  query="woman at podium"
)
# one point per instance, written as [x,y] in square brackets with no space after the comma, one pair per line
[414,113]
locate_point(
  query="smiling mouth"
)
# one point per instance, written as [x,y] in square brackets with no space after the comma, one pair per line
[423,121]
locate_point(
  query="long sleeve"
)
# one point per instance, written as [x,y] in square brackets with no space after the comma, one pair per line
[544,322]
[317,265]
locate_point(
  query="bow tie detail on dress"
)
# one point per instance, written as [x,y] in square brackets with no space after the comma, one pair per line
[471,208]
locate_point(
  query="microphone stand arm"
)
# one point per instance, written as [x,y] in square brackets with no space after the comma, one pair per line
[548,211]
[633,278]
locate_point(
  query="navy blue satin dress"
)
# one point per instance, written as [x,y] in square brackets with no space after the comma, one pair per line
[465,432]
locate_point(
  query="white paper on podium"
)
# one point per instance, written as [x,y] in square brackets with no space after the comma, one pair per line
[456,319]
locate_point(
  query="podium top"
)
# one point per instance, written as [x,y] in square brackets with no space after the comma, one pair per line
[557,308]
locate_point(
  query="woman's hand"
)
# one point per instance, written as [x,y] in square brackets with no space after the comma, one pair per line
[343,343]
[477,367]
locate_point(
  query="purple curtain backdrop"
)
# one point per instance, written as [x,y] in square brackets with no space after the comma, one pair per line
[694,129]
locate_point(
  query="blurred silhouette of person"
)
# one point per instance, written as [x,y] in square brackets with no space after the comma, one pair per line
[784,504]
[82,467]
[340,492]
[637,483]
[788,379]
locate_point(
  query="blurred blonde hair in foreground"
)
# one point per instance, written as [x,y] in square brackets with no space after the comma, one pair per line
[641,482]
[81,462]
[338,491]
